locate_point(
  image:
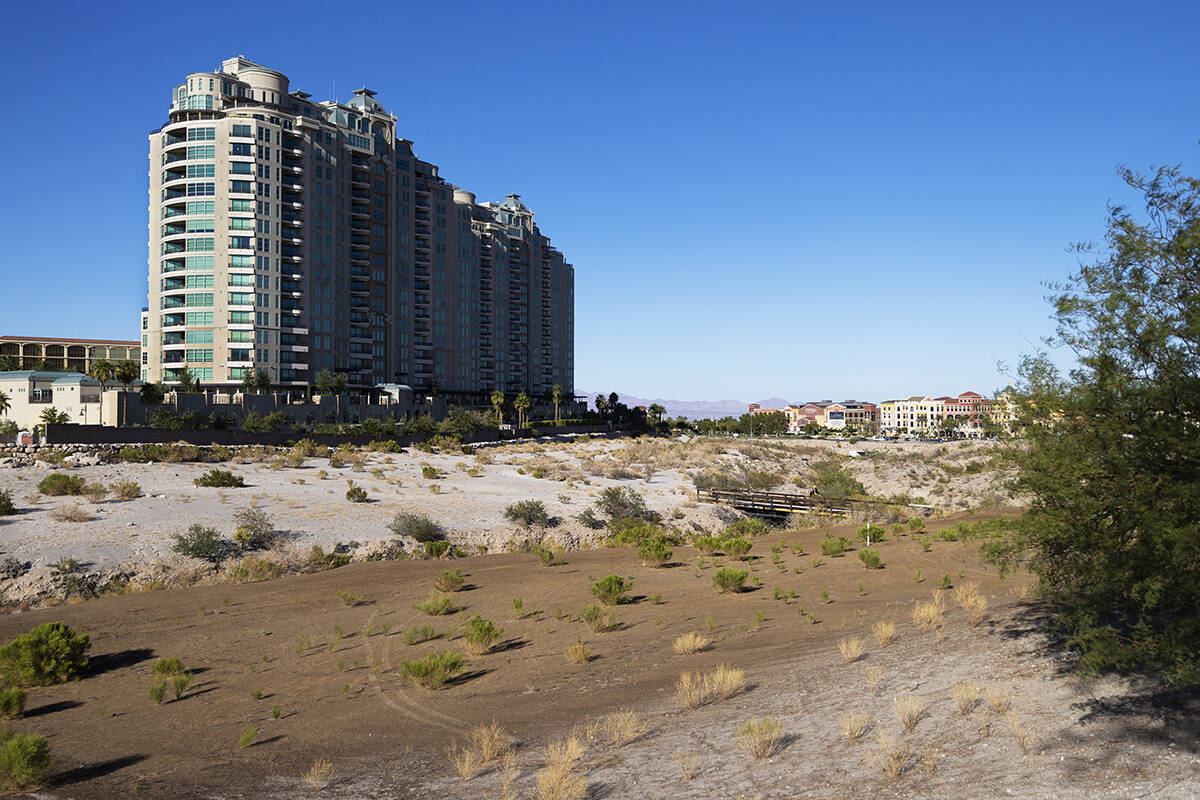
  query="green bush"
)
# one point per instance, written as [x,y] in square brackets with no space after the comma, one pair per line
[318,560]
[449,580]
[916,524]
[711,479]
[24,758]
[528,513]
[655,554]
[761,480]
[416,526]
[436,548]
[420,633]
[432,671]
[588,519]
[545,555]
[834,547]
[12,702]
[639,532]
[429,473]
[622,502]
[254,531]
[870,558]
[597,621]
[6,503]
[946,582]
[57,484]
[745,528]
[707,544]
[168,666]
[49,654]
[834,481]
[481,634]
[200,542]
[220,478]
[727,579]
[436,604]
[253,569]
[126,490]
[356,494]
[875,531]
[736,548]
[611,589]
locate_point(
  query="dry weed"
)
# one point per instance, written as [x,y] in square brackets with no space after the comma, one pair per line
[467,761]
[690,690]
[927,616]
[929,756]
[909,710]
[874,676]
[319,774]
[74,513]
[1022,734]
[491,741]
[892,759]
[726,681]
[561,778]
[966,694]
[760,738]
[852,649]
[884,632]
[998,698]
[687,765]
[623,728]
[854,725]
[579,653]
[691,642]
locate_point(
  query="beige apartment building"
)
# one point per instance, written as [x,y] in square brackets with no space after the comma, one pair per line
[76,355]
[295,236]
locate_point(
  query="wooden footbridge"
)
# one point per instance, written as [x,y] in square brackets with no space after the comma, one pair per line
[780,504]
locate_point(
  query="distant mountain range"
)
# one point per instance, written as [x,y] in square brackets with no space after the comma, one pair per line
[695,409]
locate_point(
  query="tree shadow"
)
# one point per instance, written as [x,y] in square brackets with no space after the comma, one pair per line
[50,708]
[98,665]
[89,772]
[465,677]
[271,740]
[510,644]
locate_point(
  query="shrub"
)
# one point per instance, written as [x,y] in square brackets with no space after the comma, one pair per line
[419,633]
[6,503]
[655,554]
[545,555]
[854,725]
[200,542]
[834,547]
[71,513]
[874,531]
[157,691]
[168,666]
[611,589]
[430,473]
[852,649]
[12,702]
[49,654]
[738,549]
[247,736]
[870,558]
[909,710]
[254,529]
[690,642]
[435,605]
[966,695]
[707,544]
[481,634]
[356,494]
[588,519]
[927,617]
[449,580]
[57,484]
[579,653]
[253,569]
[597,621]
[760,737]
[746,527]
[126,490]
[416,526]
[916,524]
[622,502]
[638,532]
[528,513]
[94,492]
[220,478]
[727,579]
[432,671]
[24,758]
[884,632]
[946,582]
[436,549]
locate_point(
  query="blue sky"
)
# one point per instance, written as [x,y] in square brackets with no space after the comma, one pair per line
[797,199]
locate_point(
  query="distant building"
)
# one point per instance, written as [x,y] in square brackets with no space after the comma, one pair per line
[863,417]
[31,392]
[76,355]
[968,414]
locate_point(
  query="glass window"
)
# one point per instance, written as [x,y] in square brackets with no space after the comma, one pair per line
[241,317]
[201,152]
[241,242]
[241,187]
[198,337]
[199,262]
[240,168]
[240,336]
[241,224]
[241,205]
[201,170]
[201,134]
[241,298]
[200,299]
[201,207]
[243,130]
[200,243]
[199,318]
[197,354]
[199,281]
[199,226]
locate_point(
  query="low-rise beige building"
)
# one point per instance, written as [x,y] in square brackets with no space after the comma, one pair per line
[31,392]
[49,354]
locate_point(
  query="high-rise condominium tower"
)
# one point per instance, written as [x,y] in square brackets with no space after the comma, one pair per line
[293,237]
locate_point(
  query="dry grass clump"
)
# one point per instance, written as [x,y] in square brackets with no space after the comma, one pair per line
[854,725]
[693,690]
[562,778]
[998,698]
[73,513]
[623,728]
[467,761]
[927,616]
[491,741]
[929,756]
[319,775]
[968,597]
[909,710]
[874,676]
[966,694]
[687,765]
[852,649]
[691,642]
[1022,734]
[884,632]
[579,653]
[760,738]
[892,759]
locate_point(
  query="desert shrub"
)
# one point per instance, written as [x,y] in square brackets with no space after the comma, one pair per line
[833,480]
[851,649]
[746,527]
[449,580]
[655,554]
[760,737]
[429,473]
[528,513]
[6,503]
[24,758]
[435,605]
[545,554]
[481,634]
[762,479]
[356,494]
[419,633]
[869,556]
[690,642]
[737,548]
[707,544]
[588,519]
[254,530]
[56,484]
[432,671]
[50,653]
[200,542]
[611,589]
[727,579]
[834,547]
[711,479]
[12,702]
[916,524]
[622,502]
[11,568]
[94,492]
[253,569]
[436,549]
[318,560]
[126,490]
[71,513]
[416,526]
[596,619]
[876,533]
[168,666]
[579,653]
[220,478]
[638,532]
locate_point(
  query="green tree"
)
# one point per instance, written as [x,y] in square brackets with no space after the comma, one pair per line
[1112,449]
[9,363]
[655,412]
[5,403]
[103,371]
[52,416]
[498,406]
[187,380]
[601,405]
[556,395]
[125,373]
[262,380]
[522,404]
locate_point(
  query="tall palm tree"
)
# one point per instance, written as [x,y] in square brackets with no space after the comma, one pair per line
[103,370]
[522,404]
[5,405]
[9,363]
[601,405]
[556,394]
[655,412]
[127,372]
[498,406]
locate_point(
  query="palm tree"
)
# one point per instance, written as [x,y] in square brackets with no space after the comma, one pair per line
[655,412]
[556,394]
[522,404]
[601,405]
[126,373]
[262,380]
[187,380]
[4,403]
[498,406]
[103,371]
[9,363]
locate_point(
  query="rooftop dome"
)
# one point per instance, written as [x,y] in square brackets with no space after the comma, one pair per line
[364,98]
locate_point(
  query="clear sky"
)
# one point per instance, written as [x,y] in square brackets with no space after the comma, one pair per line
[810,200]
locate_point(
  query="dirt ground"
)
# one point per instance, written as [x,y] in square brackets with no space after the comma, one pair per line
[342,698]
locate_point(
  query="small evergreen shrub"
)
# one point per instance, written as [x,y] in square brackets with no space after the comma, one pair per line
[12,702]
[432,671]
[834,547]
[435,605]
[436,549]
[728,580]
[597,620]
[874,531]
[126,490]
[429,473]
[611,589]
[356,494]
[449,580]
[622,502]
[416,526]
[870,558]
[545,555]
[707,544]
[419,633]
[747,527]
[481,634]
[737,548]
[655,554]
[916,524]
[528,513]
[49,654]
[56,484]
[254,529]
[200,542]
[6,503]
[588,519]
[24,758]
[220,478]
